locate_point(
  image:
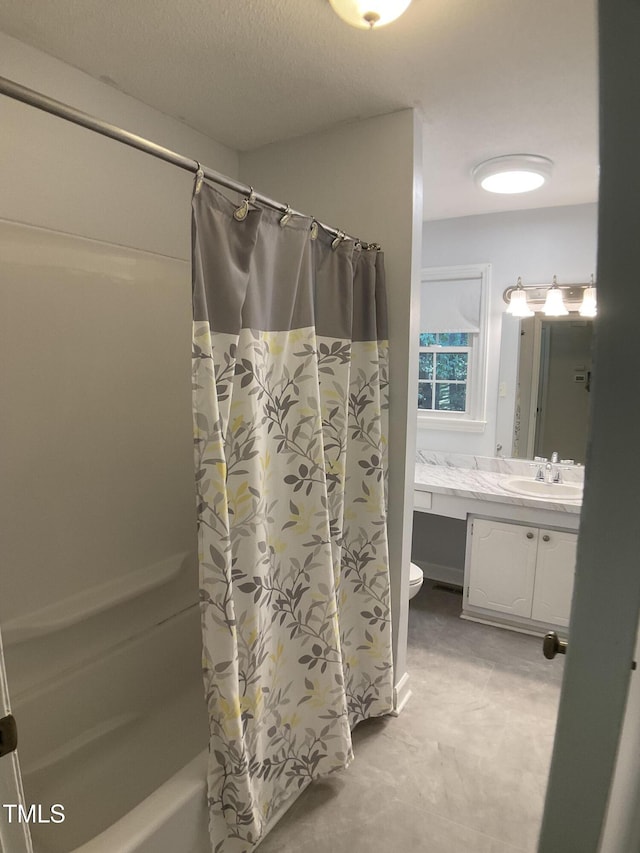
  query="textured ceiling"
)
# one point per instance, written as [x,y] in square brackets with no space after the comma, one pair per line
[490,78]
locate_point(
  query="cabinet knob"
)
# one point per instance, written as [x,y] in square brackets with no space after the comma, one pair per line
[546,538]
[529,535]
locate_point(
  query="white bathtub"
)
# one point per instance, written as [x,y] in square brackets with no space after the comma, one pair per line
[117,733]
[121,743]
[173,819]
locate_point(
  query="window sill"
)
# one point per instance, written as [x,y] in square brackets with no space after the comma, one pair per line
[462,424]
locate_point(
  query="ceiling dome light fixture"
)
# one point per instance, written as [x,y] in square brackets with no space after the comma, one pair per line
[513,173]
[367,14]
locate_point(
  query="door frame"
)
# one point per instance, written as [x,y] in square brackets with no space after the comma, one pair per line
[606,601]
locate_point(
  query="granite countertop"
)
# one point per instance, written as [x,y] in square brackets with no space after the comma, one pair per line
[445,474]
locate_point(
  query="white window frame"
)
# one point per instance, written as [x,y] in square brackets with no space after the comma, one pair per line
[475,418]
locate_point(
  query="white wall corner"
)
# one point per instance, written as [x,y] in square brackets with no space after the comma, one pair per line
[366,178]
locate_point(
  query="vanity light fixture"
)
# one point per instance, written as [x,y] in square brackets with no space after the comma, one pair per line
[554,300]
[554,303]
[518,306]
[513,173]
[588,306]
[369,14]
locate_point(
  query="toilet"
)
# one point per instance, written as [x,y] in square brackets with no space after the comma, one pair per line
[415,580]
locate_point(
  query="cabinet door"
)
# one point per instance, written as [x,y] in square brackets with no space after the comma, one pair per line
[554,577]
[502,566]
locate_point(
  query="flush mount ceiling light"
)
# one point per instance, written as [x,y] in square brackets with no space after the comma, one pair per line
[368,14]
[513,173]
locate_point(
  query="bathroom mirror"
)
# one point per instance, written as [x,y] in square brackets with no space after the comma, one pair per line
[551,406]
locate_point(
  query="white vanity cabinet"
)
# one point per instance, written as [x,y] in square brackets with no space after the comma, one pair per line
[519,575]
[502,566]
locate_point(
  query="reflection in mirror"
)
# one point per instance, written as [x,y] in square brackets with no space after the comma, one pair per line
[552,397]
[443,371]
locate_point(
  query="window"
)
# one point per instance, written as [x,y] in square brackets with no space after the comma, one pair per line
[443,372]
[452,348]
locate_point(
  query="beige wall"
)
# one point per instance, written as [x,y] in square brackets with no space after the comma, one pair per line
[366,178]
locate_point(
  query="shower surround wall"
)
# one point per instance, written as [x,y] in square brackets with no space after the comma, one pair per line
[98,590]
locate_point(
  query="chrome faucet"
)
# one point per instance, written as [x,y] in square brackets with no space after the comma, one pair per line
[551,473]
[551,469]
[557,477]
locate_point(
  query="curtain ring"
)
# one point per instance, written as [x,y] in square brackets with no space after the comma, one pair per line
[199,178]
[286,216]
[240,213]
[314,230]
[340,236]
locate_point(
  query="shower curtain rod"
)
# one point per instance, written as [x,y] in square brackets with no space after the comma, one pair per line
[57,108]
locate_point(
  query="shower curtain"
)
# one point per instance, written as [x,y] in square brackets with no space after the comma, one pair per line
[290,432]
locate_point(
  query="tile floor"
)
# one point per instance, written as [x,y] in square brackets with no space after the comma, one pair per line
[463,769]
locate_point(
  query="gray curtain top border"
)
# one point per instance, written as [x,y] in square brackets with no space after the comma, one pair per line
[64,111]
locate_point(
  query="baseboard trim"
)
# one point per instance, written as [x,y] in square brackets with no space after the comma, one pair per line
[522,627]
[443,574]
[401,695]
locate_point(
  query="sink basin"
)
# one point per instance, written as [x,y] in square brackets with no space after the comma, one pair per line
[539,489]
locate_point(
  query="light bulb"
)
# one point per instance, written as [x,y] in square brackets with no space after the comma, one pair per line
[512,182]
[367,14]
[518,306]
[588,307]
[554,303]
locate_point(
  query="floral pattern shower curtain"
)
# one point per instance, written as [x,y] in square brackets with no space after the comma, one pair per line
[290,419]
